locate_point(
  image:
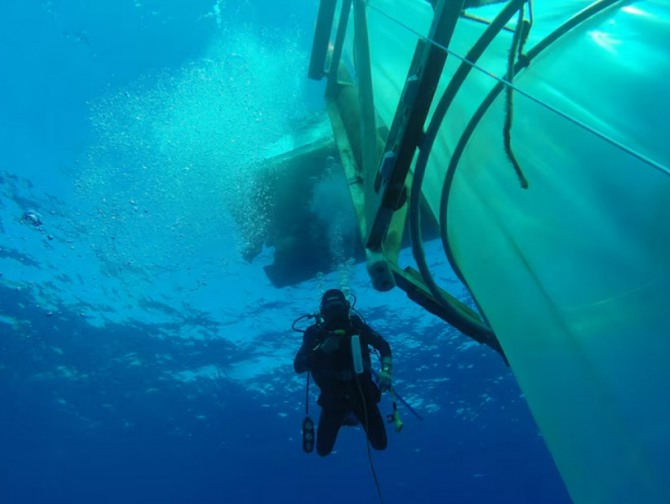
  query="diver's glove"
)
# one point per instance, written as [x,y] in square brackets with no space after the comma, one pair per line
[385,377]
[329,345]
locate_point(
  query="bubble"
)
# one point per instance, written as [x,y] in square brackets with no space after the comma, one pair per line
[32,218]
[176,152]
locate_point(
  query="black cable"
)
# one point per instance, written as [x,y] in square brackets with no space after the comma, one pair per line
[353,303]
[574,21]
[467,324]
[367,438]
[366,423]
[307,395]
[302,317]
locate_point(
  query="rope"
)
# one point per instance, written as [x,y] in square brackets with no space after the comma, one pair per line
[517,43]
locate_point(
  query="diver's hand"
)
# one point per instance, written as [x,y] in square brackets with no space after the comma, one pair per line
[384,380]
[329,345]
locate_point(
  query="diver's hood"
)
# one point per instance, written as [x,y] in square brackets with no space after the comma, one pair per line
[334,307]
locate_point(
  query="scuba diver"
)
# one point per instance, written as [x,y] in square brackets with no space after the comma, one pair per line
[335,351]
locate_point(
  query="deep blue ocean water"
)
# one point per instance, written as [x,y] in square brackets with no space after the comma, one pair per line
[141,359]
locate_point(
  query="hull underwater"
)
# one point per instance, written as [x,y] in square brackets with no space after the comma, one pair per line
[572,273]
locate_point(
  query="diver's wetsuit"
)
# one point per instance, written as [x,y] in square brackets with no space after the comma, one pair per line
[335,376]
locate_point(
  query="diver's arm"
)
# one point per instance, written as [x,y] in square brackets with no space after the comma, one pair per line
[385,376]
[374,339]
[305,357]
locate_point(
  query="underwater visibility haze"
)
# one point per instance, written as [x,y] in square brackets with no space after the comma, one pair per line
[152,266]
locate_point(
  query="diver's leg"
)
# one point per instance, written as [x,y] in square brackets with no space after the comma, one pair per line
[373,423]
[329,425]
[377,429]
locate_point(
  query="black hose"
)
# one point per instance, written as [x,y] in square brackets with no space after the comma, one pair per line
[463,322]
[577,19]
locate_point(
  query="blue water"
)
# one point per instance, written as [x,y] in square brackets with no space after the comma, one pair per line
[141,359]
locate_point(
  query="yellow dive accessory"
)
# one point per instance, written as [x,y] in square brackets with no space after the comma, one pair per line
[395,417]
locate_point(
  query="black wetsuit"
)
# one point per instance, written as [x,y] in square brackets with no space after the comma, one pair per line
[342,391]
